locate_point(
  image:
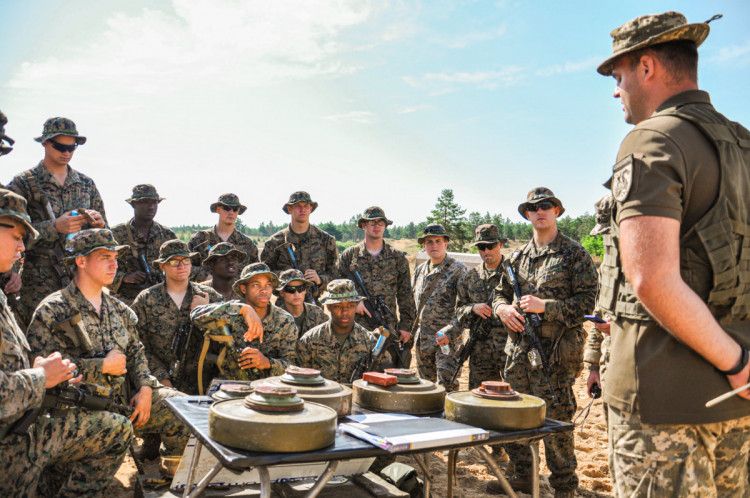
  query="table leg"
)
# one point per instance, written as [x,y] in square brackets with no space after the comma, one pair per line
[265,482]
[451,472]
[206,480]
[323,479]
[498,473]
[193,465]
[534,446]
[426,471]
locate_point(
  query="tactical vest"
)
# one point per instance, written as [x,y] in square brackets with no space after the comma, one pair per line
[724,231]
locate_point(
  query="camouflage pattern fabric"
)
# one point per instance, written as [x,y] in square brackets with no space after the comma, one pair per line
[314,316]
[158,321]
[563,275]
[126,261]
[204,240]
[60,126]
[279,334]
[681,460]
[38,278]
[314,249]
[92,444]
[386,276]
[113,327]
[437,312]
[320,349]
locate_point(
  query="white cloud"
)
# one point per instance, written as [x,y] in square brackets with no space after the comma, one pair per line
[361,117]
[411,109]
[467,39]
[571,67]
[732,52]
[507,76]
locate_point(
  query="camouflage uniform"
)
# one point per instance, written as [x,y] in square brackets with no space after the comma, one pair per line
[91,444]
[158,321]
[437,312]
[314,316]
[564,276]
[111,328]
[320,350]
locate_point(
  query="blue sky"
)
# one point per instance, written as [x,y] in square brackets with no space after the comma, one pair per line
[357,102]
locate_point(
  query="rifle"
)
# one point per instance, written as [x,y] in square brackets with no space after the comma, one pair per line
[180,348]
[60,398]
[371,362]
[309,297]
[151,277]
[378,311]
[478,331]
[531,324]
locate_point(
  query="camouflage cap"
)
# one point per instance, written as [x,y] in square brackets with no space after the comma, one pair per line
[4,149]
[253,270]
[645,31]
[60,126]
[143,191]
[13,206]
[373,213]
[433,230]
[222,250]
[341,290]
[603,215]
[174,248]
[85,242]
[300,196]
[230,200]
[487,233]
[537,195]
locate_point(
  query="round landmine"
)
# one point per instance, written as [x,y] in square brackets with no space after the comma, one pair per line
[232,391]
[272,419]
[415,398]
[310,386]
[495,405]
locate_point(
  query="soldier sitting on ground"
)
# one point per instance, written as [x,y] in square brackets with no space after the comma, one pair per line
[291,298]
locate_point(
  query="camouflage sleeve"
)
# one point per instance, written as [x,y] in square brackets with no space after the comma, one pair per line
[283,353]
[121,259]
[201,315]
[332,258]
[252,252]
[144,327]
[46,228]
[169,234]
[407,310]
[137,363]
[343,264]
[20,391]
[593,351]
[318,315]
[269,255]
[503,292]
[97,204]
[571,310]
[464,304]
[303,351]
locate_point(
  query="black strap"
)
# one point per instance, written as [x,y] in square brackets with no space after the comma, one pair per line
[741,364]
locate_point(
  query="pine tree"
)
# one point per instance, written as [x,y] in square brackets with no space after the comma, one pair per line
[451,216]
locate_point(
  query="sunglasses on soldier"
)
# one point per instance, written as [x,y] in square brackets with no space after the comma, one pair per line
[540,205]
[62,147]
[486,247]
[292,289]
[230,208]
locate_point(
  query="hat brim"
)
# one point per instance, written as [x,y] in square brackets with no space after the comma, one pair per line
[191,255]
[502,240]
[421,239]
[215,205]
[117,249]
[236,286]
[233,252]
[387,221]
[131,200]
[30,231]
[558,203]
[312,203]
[79,139]
[352,299]
[697,32]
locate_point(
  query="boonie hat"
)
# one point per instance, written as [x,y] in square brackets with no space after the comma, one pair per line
[144,191]
[251,271]
[223,249]
[300,196]
[85,242]
[341,290]
[14,206]
[433,230]
[230,200]
[374,213]
[538,195]
[603,215]
[487,234]
[60,126]
[4,149]
[652,29]
[291,275]
[173,248]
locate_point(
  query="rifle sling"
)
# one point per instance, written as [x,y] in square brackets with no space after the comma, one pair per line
[207,338]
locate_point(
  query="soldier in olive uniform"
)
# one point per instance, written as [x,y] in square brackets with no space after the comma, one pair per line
[164,309]
[144,236]
[82,449]
[557,281]
[265,354]
[435,286]
[291,298]
[336,346]
[385,272]
[111,327]
[53,190]
[315,250]
[675,274]
[224,261]
[228,207]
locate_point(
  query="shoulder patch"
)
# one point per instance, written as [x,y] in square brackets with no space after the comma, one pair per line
[622,178]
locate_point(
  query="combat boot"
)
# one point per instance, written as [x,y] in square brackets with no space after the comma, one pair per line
[518,483]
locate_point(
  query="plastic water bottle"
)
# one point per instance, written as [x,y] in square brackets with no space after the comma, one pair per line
[71,235]
[447,348]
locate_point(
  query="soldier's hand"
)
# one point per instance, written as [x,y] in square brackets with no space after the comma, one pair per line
[404,335]
[741,379]
[98,219]
[56,370]
[532,304]
[362,309]
[253,358]
[115,363]
[442,339]
[482,309]
[136,277]
[594,378]
[312,276]
[14,282]
[254,325]
[199,299]
[66,223]
[142,404]
[603,327]
[510,317]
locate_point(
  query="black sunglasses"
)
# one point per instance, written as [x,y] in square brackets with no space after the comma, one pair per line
[541,205]
[292,289]
[486,247]
[62,147]
[230,208]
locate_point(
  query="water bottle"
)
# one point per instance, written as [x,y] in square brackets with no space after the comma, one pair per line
[447,348]
[71,235]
